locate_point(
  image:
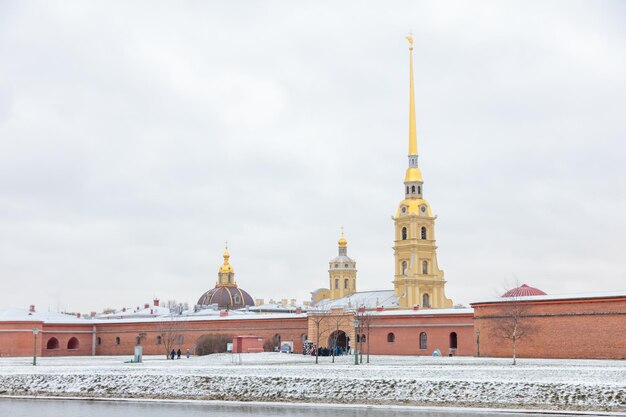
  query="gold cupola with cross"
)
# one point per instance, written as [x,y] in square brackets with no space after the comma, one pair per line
[418,281]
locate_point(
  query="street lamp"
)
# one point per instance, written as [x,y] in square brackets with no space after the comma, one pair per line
[356,351]
[35,331]
[478,342]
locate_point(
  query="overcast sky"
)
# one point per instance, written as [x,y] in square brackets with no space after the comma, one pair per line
[136,137]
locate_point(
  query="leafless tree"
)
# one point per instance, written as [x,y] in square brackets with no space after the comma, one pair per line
[337,321]
[169,330]
[365,320]
[319,316]
[512,323]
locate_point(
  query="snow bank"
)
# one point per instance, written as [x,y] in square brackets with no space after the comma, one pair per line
[570,385]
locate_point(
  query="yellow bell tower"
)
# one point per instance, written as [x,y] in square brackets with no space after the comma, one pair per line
[418,279]
[342,272]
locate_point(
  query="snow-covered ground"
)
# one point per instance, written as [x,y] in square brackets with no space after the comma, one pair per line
[484,382]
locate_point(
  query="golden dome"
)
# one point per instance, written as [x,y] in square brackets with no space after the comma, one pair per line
[342,240]
[226,266]
[413,174]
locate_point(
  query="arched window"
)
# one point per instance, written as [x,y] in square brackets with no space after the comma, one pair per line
[117,341]
[98,340]
[423,233]
[425,267]
[53,343]
[159,340]
[346,283]
[407,189]
[419,189]
[363,338]
[138,340]
[403,267]
[73,344]
[413,189]
[336,283]
[181,339]
[276,342]
[423,341]
[426,300]
[453,340]
[237,299]
[357,338]
[404,233]
[391,338]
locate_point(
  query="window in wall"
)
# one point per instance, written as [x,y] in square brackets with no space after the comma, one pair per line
[181,339]
[73,343]
[419,189]
[159,340]
[426,300]
[346,284]
[118,341]
[357,338]
[413,189]
[391,338]
[423,341]
[237,299]
[336,283]
[423,233]
[363,338]
[425,267]
[407,189]
[138,340]
[345,265]
[98,340]
[404,266]
[404,233]
[453,340]
[53,343]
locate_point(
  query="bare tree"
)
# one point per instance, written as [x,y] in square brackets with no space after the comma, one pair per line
[365,321]
[337,320]
[512,322]
[318,317]
[169,330]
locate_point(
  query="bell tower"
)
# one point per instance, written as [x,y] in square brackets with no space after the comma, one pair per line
[418,281]
[342,272]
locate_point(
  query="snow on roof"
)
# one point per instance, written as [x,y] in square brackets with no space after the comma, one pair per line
[555,297]
[22,314]
[368,299]
[423,312]
[142,312]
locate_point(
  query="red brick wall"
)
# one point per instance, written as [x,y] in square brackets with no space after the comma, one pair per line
[560,329]
[265,327]
[17,338]
[406,331]
[64,333]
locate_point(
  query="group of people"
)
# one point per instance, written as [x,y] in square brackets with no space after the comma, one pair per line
[178,353]
[324,351]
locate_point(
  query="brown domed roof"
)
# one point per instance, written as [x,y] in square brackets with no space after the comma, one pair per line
[228,297]
[523,291]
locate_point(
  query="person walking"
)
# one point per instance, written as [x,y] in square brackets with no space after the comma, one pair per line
[187,354]
[172,354]
[178,353]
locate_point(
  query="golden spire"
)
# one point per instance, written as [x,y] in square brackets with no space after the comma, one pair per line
[342,240]
[412,130]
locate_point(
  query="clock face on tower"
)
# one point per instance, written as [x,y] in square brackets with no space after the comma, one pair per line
[423,209]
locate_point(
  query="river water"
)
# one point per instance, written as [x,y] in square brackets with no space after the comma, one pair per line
[18,407]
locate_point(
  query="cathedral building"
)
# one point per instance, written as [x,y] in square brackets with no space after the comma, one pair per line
[418,282]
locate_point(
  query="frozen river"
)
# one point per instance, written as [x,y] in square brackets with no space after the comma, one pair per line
[81,408]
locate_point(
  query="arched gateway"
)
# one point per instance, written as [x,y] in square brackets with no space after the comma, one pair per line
[338,338]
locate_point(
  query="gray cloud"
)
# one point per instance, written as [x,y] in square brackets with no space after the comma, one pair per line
[136,137]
